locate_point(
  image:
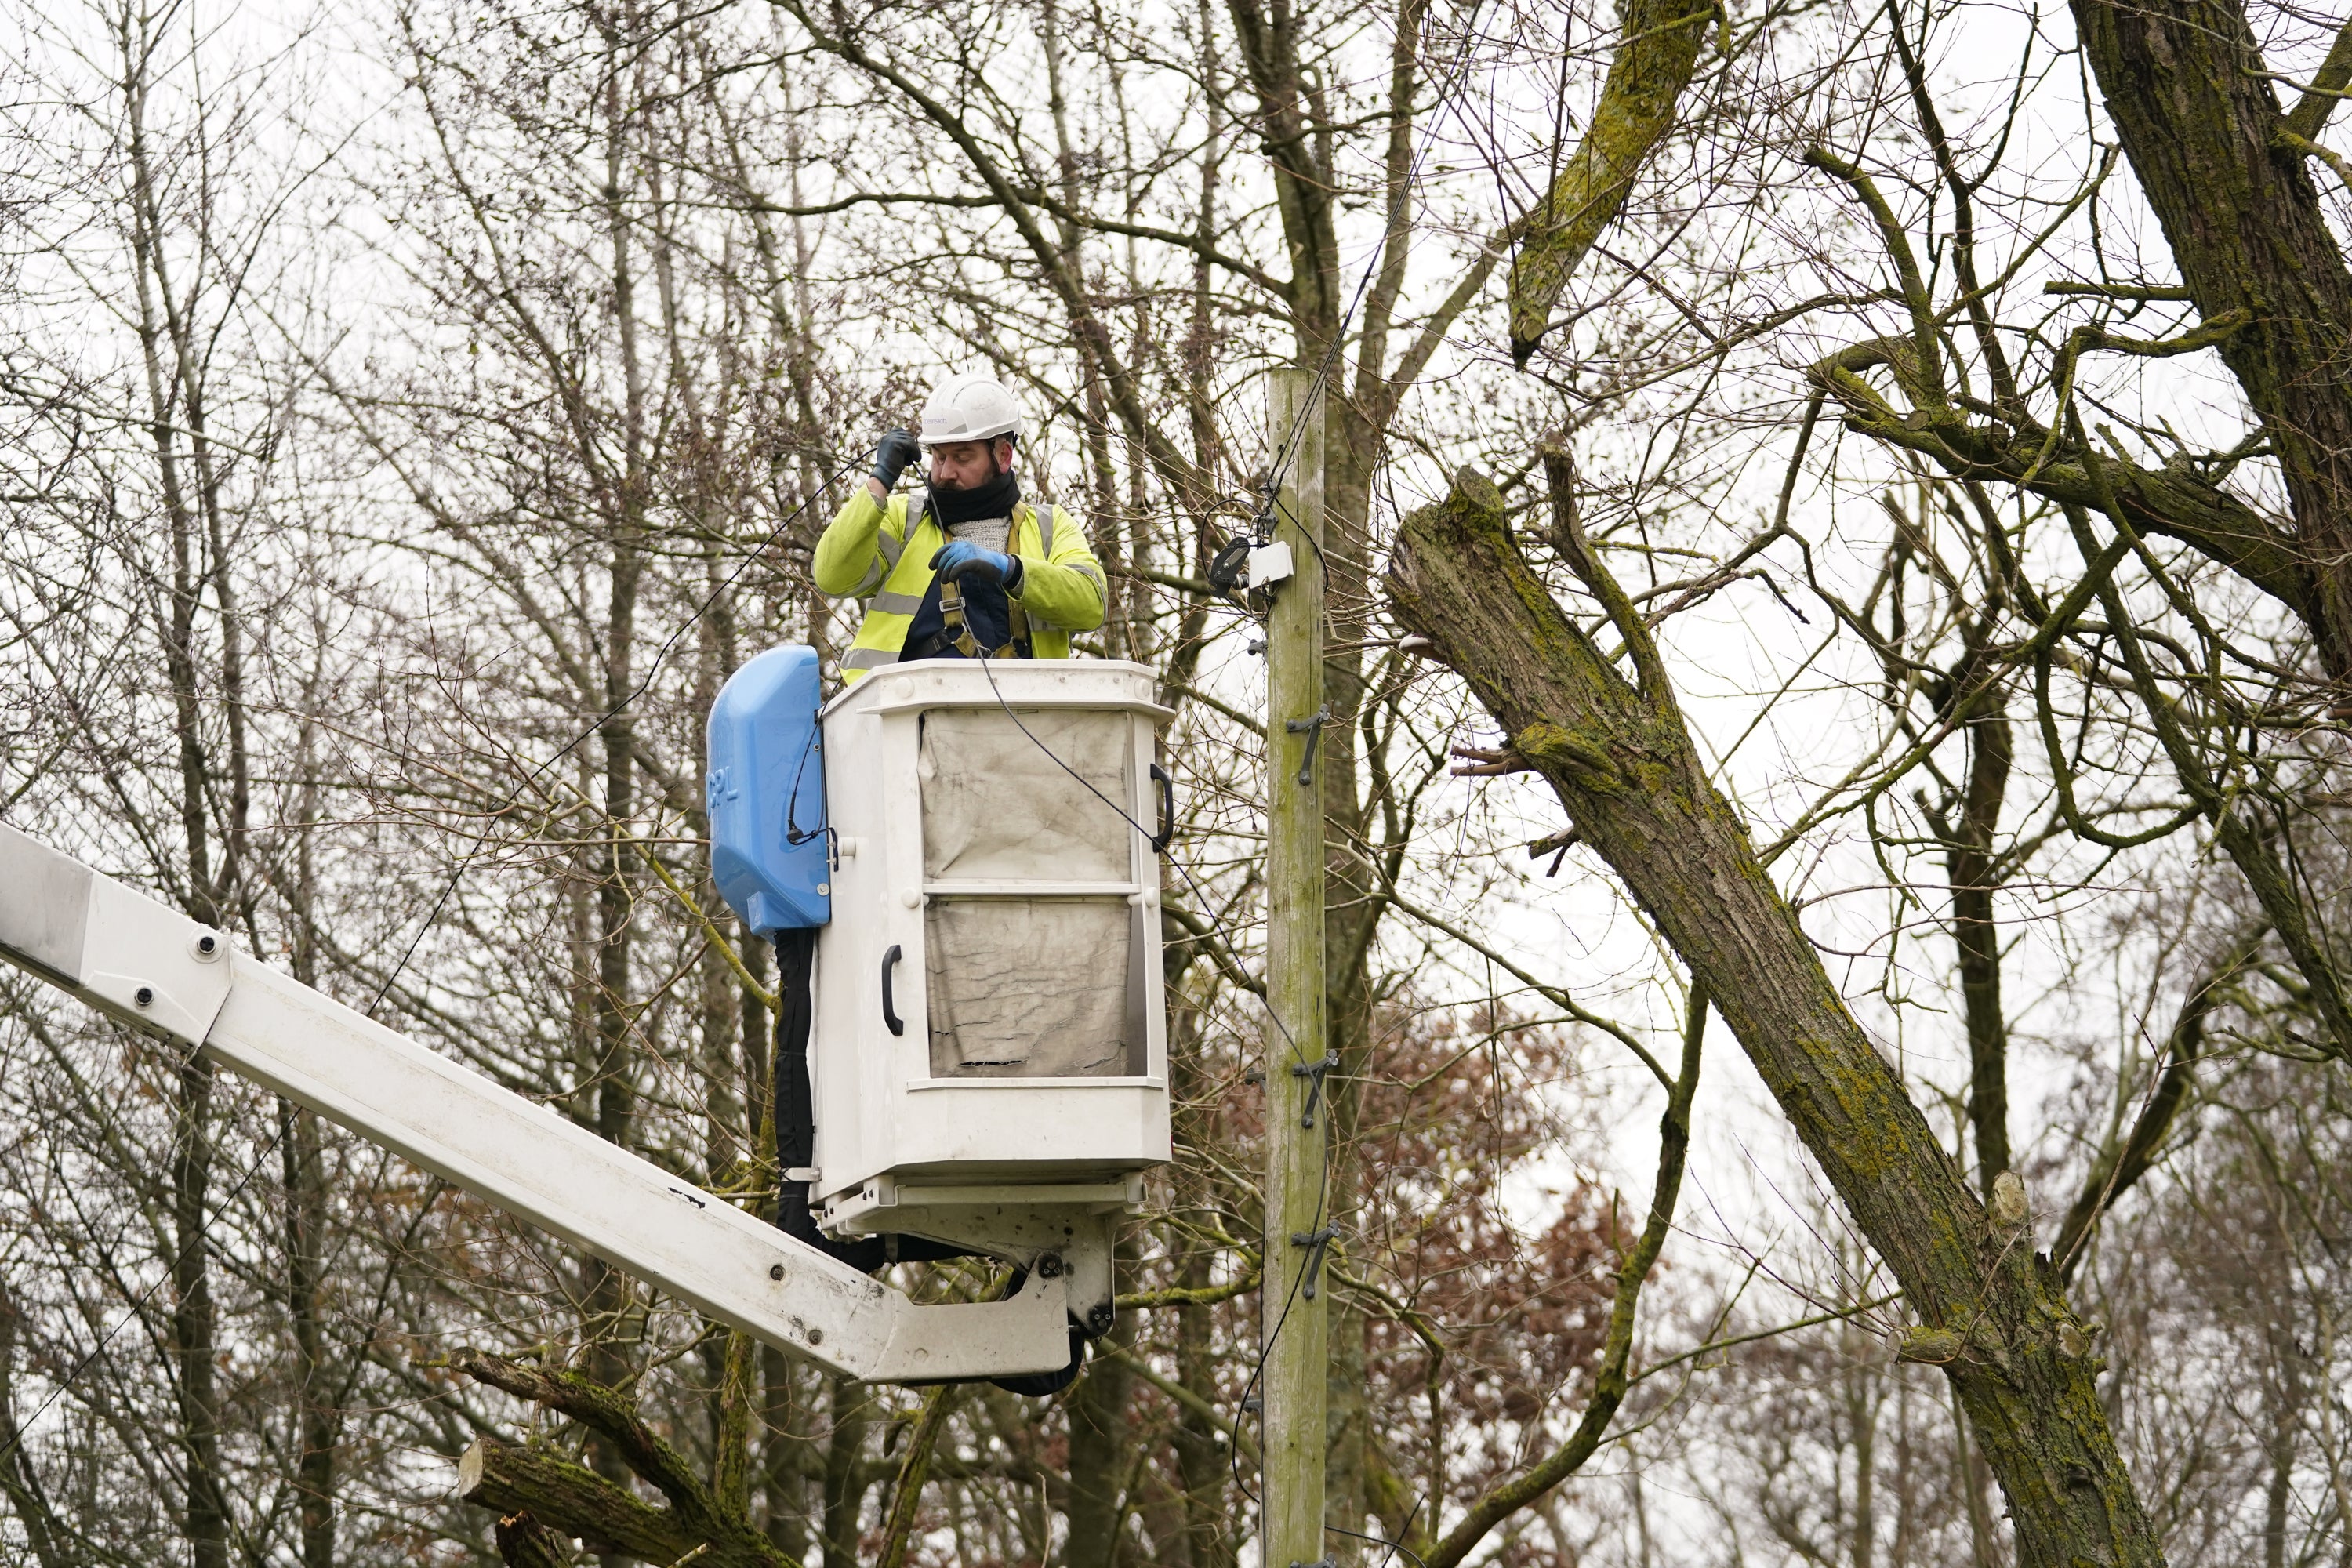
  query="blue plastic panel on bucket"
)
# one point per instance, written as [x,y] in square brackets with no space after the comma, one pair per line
[766,789]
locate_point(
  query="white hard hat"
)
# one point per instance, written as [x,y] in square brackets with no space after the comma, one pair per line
[969,408]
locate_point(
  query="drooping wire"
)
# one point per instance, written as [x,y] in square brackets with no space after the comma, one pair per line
[138,1303]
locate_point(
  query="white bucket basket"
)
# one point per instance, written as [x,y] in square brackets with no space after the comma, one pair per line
[997,899]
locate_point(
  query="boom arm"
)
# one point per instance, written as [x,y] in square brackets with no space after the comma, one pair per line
[159,972]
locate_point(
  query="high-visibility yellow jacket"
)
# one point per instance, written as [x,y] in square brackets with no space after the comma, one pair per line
[865,553]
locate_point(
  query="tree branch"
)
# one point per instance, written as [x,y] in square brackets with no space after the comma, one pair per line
[1646,82]
[694,1512]
[1631,780]
[568,1499]
[1609,1385]
[2116,1170]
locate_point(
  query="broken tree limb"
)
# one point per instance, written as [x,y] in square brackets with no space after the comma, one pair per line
[1646,82]
[1485,762]
[524,1542]
[695,1516]
[1622,763]
[568,1499]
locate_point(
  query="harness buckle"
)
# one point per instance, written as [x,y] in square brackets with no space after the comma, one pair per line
[955,627]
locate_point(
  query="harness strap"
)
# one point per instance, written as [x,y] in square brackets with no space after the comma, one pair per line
[1016,618]
[955,630]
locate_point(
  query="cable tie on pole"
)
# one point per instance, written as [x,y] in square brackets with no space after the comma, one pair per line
[1261,525]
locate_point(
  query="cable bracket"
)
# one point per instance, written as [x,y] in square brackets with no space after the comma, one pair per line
[1313,730]
[1314,1072]
[1316,1242]
[1261,524]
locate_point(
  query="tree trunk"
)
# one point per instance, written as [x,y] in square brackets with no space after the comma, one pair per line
[194,1348]
[1346,1422]
[783,1440]
[914,1470]
[19,1483]
[1617,755]
[318,1424]
[845,1486]
[1971,1477]
[318,1418]
[2201,127]
[1969,863]
[608,1289]
[1099,1452]
[1200,1462]
[1861,1417]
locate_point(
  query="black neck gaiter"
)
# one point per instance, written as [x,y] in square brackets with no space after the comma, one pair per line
[993,498]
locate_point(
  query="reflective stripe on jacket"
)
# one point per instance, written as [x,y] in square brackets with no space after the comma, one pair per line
[865,553]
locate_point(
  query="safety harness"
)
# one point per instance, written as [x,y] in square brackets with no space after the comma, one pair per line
[955,631]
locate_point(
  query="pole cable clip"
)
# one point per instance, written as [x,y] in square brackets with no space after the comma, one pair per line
[1313,730]
[1316,1242]
[1314,1072]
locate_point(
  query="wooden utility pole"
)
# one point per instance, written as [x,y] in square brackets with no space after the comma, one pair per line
[1297,1220]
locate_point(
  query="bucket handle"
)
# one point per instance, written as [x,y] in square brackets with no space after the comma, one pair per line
[898,1026]
[1161,839]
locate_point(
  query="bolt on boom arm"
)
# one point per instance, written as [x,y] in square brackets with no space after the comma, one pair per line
[159,972]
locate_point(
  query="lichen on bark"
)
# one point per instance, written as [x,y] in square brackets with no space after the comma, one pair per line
[1646,82]
[1684,855]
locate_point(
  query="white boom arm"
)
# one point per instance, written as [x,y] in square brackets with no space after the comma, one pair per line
[155,969]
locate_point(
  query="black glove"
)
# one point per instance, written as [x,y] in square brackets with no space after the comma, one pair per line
[894,455]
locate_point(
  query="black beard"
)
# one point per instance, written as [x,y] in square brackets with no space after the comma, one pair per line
[994,497]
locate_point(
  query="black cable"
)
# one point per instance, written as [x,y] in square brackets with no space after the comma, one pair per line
[1395,1546]
[1285,455]
[1269,490]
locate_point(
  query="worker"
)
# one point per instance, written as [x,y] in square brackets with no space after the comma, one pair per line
[966,568]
